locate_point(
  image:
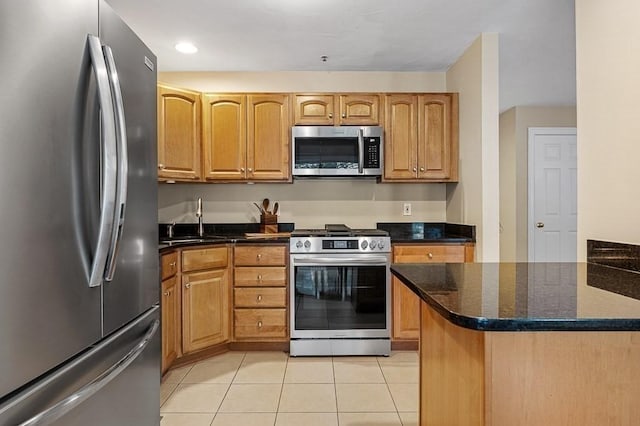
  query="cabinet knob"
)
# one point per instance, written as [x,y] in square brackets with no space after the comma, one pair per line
[422,169]
[259,324]
[430,255]
[187,285]
[539,225]
[330,115]
[250,169]
[242,169]
[344,115]
[415,169]
[161,166]
[259,298]
[259,277]
[167,293]
[173,264]
[259,257]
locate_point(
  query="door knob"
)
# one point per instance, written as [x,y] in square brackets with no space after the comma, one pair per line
[539,225]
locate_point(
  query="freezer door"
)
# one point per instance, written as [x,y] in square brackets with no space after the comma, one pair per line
[49,127]
[135,284]
[115,383]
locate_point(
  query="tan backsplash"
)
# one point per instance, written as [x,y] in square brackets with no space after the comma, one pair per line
[307,203]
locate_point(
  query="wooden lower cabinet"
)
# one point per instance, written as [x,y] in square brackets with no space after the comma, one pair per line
[170,304]
[405,304]
[260,293]
[205,307]
[260,324]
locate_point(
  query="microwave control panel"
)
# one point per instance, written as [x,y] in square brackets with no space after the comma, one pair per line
[372,153]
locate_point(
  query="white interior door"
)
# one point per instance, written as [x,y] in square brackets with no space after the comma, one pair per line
[552,195]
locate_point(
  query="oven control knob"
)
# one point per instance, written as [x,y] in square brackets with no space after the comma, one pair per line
[307,244]
[364,244]
[380,244]
[372,244]
[299,244]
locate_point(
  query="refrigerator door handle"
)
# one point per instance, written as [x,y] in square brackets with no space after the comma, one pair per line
[69,403]
[123,164]
[109,162]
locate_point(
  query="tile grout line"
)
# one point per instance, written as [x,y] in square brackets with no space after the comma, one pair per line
[389,390]
[275,420]
[228,389]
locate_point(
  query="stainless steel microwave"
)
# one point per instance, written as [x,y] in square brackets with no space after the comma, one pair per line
[337,151]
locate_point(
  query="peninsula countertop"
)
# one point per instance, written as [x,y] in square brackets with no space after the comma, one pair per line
[528,296]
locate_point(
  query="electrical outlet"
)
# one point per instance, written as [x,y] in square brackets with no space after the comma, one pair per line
[406,209]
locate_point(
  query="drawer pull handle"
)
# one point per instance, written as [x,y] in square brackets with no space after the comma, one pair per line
[430,255]
[259,298]
[172,264]
[259,277]
[259,324]
[259,256]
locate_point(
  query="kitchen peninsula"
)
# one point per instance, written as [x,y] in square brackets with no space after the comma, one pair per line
[527,344]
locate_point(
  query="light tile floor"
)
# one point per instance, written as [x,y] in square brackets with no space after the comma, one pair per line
[272,389]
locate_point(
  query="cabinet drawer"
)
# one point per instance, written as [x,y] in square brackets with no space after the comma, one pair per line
[256,323]
[260,255]
[260,297]
[209,258]
[169,265]
[271,276]
[428,253]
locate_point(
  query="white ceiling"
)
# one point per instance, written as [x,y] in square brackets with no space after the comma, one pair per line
[537,38]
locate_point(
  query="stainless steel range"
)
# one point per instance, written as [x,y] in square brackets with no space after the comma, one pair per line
[340,291]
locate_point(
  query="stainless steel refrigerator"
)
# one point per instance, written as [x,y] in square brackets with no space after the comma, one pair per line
[79,330]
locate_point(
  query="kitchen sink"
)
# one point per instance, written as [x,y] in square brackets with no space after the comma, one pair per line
[185,240]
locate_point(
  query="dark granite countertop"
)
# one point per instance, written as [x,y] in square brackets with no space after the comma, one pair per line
[428,232]
[185,235]
[528,296]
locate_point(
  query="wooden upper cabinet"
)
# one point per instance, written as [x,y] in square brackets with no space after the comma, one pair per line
[224,136]
[359,110]
[421,137]
[438,137]
[268,134]
[313,110]
[401,137]
[178,134]
[352,109]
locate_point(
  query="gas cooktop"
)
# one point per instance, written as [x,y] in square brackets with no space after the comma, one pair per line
[338,230]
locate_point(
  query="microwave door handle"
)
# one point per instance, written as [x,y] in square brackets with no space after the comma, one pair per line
[360,152]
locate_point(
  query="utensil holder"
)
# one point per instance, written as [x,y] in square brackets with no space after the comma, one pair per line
[268,223]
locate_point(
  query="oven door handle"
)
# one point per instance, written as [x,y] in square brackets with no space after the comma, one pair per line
[341,261]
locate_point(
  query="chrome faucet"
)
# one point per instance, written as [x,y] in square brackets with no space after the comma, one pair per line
[199,216]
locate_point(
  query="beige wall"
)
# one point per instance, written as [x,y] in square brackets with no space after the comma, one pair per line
[308,203]
[514,125]
[475,199]
[608,117]
[307,81]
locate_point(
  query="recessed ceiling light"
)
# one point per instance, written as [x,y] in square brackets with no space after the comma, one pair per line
[186,47]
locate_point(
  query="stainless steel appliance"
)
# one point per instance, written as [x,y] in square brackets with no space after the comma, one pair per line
[337,151]
[79,286]
[340,295]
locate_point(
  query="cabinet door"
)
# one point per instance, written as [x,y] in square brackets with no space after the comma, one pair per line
[400,139]
[313,110]
[438,137]
[178,134]
[406,305]
[170,321]
[224,137]
[268,124]
[359,110]
[205,311]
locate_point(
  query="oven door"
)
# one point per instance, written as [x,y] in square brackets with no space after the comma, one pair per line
[340,296]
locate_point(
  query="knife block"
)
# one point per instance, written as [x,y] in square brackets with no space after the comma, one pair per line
[268,223]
